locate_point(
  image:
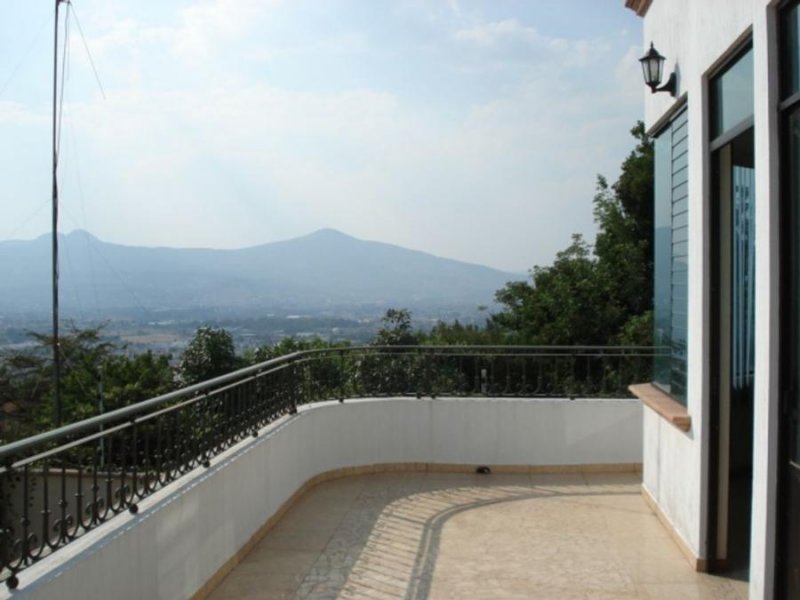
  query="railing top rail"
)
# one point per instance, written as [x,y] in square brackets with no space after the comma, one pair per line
[492,348]
[20,447]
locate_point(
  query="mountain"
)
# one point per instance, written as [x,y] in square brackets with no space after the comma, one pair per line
[324,269]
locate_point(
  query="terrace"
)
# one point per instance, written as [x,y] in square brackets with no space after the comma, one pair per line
[437,535]
[354,473]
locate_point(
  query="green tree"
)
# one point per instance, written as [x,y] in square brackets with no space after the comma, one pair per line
[601,294]
[95,378]
[624,245]
[288,346]
[30,373]
[83,352]
[458,334]
[24,393]
[130,379]
[396,329]
[565,304]
[209,354]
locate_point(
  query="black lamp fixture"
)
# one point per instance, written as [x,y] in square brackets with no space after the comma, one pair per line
[653,68]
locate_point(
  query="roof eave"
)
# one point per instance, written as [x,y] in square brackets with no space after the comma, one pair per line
[640,7]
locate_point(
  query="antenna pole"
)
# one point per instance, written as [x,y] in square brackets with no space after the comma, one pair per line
[56,342]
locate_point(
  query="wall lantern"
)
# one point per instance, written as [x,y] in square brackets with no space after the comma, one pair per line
[652,69]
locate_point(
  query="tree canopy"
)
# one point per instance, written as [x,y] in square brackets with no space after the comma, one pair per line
[396,329]
[600,294]
[97,376]
[209,354]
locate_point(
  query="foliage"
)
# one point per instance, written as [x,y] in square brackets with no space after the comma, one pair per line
[287,345]
[22,390]
[458,334]
[83,352]
[555,310]
[624,245]
[28,391]
[131,379]
[209,354]
[95,378]
[396,329]
[637,331]
[594,295]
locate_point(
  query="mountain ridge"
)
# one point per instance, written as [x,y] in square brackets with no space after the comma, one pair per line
[320,269]
[325,232]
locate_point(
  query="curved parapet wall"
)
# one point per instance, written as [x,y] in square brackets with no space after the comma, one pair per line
[190,533]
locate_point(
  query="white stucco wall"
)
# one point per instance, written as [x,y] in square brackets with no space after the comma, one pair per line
[186,532]
[697,36]
[666,453]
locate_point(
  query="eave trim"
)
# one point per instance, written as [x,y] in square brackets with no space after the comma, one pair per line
[640,7]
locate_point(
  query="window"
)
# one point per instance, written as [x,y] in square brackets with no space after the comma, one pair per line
[671,263]
[733,224]
[732,269]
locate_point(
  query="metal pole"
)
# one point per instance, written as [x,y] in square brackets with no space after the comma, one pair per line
[56,348]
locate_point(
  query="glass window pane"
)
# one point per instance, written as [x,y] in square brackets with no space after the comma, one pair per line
[743,277]
[732,96]
[794,191]
[790,51]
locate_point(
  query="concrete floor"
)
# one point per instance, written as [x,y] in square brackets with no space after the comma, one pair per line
[415,536]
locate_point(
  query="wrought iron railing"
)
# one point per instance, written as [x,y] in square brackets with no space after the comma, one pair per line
[58,485]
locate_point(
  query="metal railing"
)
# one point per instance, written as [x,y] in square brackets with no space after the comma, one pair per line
[58,485]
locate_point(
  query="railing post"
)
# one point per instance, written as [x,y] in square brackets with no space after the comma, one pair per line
[341,376]
[293,388]
[429,367]
[420,381]
[6,530]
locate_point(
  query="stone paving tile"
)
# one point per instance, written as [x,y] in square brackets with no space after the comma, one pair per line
[431,536]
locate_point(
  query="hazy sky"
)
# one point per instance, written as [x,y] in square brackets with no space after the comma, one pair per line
[472,130]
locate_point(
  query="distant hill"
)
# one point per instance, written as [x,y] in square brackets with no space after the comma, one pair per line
[324,269]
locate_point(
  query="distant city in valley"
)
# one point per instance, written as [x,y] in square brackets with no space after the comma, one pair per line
[327,285]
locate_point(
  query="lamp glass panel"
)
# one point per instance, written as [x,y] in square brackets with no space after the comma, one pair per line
[652,70]
[656,67]
[646,71]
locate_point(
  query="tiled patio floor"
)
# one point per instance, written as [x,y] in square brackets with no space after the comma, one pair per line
[415,536]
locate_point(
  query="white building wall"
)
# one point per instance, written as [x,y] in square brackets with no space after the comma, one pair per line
[697,36]
[186,532]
